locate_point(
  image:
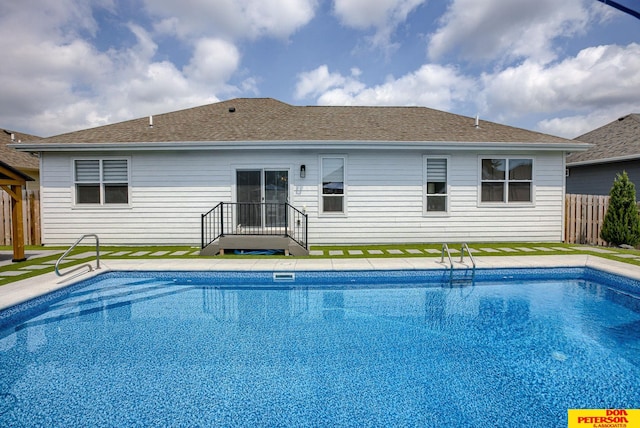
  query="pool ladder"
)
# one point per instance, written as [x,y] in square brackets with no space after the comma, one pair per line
[86,265]
[464,280]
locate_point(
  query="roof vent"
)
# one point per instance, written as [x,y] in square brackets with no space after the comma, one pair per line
[477,124]
[232,109]
[150,121]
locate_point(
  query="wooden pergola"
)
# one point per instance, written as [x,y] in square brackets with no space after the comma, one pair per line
[12,182]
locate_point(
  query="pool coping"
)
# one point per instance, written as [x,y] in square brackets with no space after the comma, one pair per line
[22,291]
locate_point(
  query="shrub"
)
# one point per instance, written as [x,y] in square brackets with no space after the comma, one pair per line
[622,222]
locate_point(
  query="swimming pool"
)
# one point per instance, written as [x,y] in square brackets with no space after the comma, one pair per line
[360,348]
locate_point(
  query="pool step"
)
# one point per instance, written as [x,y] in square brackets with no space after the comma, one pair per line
[106,301]
[454,278]
[462,277]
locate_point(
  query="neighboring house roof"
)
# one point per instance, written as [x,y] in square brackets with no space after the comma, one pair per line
[615,141]
[261,120]
[13,157]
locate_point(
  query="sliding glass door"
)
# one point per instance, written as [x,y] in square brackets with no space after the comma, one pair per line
[276,195]
[249,197]
[261,195]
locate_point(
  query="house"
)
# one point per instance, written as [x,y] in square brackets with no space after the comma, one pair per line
[322,175]
[26,163]
[616,148]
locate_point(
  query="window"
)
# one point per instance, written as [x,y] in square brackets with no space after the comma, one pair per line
[436,188]
[507,180]
[102,181]
[332,185]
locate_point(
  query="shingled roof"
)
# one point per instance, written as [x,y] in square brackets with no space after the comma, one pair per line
[266,119]
[618,140]
[11,156]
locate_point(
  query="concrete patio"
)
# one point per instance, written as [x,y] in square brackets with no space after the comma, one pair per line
[20,291]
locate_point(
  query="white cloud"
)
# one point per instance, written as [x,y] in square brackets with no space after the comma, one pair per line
[381,15]
[231,18]
[141,86]
[432,85]
[492,29]
[45,63]
[65,67]
[59,19]
[318,81]
[573,126]
[213,61]
[600,81]
[596,78]
[54,80]
[364,14]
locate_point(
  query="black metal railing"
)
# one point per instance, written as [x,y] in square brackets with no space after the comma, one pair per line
[245,218]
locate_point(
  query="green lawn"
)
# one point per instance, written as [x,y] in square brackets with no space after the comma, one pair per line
[333,251]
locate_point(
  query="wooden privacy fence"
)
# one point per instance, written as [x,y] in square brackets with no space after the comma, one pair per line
[584,215]
[30,215]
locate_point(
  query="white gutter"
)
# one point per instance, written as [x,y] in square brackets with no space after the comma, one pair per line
[291,145]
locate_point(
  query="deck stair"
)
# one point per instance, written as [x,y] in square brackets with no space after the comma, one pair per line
[254,226]
[463,274]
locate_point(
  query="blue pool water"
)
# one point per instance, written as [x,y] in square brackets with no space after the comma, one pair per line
[395,348]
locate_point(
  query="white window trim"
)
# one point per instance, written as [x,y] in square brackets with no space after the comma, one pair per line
[101,205]
[447,211]
[321,212]
[505,203]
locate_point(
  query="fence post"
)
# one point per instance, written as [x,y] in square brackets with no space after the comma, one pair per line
[572,219]
[34,204]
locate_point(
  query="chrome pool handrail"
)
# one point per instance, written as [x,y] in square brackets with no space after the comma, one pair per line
[445,248]
[86,265]
[466,247]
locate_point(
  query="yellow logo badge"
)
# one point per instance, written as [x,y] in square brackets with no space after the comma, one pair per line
[604,418]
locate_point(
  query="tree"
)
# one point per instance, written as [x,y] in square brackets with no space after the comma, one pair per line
[622,222]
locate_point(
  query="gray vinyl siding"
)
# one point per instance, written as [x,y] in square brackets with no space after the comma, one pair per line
[597,179]
[384,198]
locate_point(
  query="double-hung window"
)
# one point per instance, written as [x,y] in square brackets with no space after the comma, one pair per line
[507,180]
[101,181]
[333,185]
[437,193]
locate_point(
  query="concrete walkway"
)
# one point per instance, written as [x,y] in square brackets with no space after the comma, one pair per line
[7,256]
[20,291]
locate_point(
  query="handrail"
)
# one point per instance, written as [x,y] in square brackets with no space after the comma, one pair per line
[466,247]
[225,220]
[445,247]
[84,265]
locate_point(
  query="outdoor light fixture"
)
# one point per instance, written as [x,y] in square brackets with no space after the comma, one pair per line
[303,171]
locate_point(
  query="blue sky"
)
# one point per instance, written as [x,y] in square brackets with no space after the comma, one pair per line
[560,67]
